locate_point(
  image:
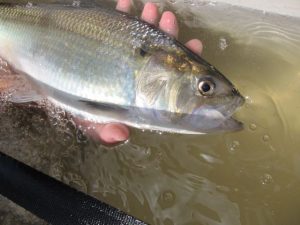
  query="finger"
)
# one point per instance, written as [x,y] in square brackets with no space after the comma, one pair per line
[150,13]
[195,45]
[124,6]
[107,133]
[168,23]
[112,133]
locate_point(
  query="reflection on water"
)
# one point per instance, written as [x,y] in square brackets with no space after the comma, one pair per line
[249,177]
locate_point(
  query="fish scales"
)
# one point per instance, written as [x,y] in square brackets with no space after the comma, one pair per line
[62,33]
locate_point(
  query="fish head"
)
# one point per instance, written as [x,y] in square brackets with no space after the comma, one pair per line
[189,93]
[205,102]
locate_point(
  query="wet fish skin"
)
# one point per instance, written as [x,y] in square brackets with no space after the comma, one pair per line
[107,66]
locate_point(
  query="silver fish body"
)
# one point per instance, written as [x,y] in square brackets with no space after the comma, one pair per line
[106,66]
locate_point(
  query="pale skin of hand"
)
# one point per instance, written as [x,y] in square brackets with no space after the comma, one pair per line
[113,133]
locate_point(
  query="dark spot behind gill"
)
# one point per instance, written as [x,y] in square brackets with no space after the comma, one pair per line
[142,52]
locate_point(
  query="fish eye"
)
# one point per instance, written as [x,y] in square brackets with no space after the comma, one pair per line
[206,87]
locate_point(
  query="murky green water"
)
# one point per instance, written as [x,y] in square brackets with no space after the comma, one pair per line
[250,178]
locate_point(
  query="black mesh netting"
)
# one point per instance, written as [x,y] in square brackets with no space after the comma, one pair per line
[53,201]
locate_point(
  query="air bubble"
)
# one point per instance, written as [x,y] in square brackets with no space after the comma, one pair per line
[266,138]
[168,196]
[248,101]
[233,147]
[29,4]
[266,179]
[223,44]
[167,199]
[80,137]
[252,126]
[76,3]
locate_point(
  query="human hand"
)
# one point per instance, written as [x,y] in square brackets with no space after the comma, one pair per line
[113,132]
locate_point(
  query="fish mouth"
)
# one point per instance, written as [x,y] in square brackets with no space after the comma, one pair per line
[222,110]
[227,110]
[216,118]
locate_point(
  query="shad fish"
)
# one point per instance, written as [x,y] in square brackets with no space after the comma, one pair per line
[105,66]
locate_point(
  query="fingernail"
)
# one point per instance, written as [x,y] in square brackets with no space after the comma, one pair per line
[114,133]
[124,6]
[168,23]
[150,13]
[121,134]
[195,45]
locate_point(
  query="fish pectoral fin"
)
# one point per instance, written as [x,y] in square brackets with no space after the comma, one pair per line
[20,97]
